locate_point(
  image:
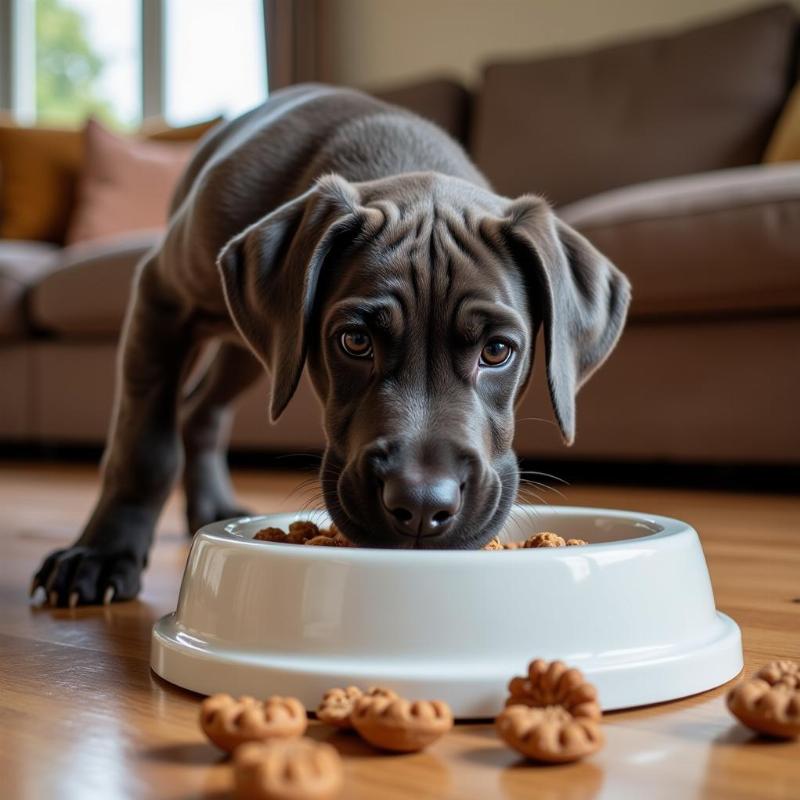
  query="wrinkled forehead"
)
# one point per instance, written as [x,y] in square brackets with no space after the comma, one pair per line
[430,264]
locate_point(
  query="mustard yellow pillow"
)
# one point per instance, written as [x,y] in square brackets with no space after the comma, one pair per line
[785,142]
[155,128]
[40,168]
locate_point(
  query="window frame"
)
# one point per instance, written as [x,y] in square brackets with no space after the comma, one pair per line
[17,91]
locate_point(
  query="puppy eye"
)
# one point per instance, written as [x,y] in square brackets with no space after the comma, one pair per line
[356,344]
[495,352]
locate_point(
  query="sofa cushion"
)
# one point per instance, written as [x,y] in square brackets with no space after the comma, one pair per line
[443,101]
[21,265]
[126,184]
[722,241]
[574,125]
[89,292]
[704,391]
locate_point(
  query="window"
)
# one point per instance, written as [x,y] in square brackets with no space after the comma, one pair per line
[87,61]
[75,58]
[214,58]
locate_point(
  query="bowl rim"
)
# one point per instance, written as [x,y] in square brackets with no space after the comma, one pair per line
[667,528]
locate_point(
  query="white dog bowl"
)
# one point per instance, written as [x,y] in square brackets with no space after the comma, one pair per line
[633,609]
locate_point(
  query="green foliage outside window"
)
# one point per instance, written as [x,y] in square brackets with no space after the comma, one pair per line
[67,68]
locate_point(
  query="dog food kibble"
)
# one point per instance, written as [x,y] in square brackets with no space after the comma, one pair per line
[552,714]
[271,535]
[229,722]
[330,541]
[380,691]
[781,672]
[288,769]
[549,734]
[553,683]
[301,532]
[336,706]
[400,725]
[304,532]
[769,702]
[544,540]
[494,544]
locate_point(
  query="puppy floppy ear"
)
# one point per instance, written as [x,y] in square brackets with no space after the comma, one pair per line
[270,273]
[574,291]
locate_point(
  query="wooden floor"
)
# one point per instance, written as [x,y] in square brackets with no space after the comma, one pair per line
[82,716]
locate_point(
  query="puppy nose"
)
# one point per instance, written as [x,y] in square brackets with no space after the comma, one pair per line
[424,506]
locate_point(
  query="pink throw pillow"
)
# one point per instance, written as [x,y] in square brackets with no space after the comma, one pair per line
[126,184]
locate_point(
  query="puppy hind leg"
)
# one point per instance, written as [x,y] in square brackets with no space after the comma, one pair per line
[142,458]
[207,416]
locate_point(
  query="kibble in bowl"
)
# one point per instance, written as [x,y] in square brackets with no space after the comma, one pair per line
[307,533]
[304,532]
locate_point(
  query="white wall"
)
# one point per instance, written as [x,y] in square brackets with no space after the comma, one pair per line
[379,42]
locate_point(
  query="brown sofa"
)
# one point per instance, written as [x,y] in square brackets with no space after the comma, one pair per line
[651,148]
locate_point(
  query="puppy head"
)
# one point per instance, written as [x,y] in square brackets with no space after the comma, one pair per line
[416,302]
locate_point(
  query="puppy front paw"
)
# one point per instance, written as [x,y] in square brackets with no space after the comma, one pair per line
[81,575]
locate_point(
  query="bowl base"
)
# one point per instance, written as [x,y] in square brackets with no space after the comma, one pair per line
[473,690]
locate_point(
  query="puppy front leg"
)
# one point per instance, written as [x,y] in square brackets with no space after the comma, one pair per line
[141,461]
[207,415]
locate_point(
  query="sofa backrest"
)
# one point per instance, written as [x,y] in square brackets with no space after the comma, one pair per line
[441,100]
[573,125]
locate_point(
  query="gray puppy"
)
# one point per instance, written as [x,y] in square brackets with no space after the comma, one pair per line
[330,229]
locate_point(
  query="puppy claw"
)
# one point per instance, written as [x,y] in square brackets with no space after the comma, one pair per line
[53,599]
[108,596]
[73,599]
[39,596]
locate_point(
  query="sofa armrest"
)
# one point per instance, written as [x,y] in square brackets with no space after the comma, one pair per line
[714,242]
[22,264]
[89,292]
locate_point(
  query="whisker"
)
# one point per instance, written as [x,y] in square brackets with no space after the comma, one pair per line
[297,490]
[295,455]
[526,482]
[524,494]
[308,510]
[532,516]
[307,484]
[530,492]
[544,475]
[517,522]
[536,419]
